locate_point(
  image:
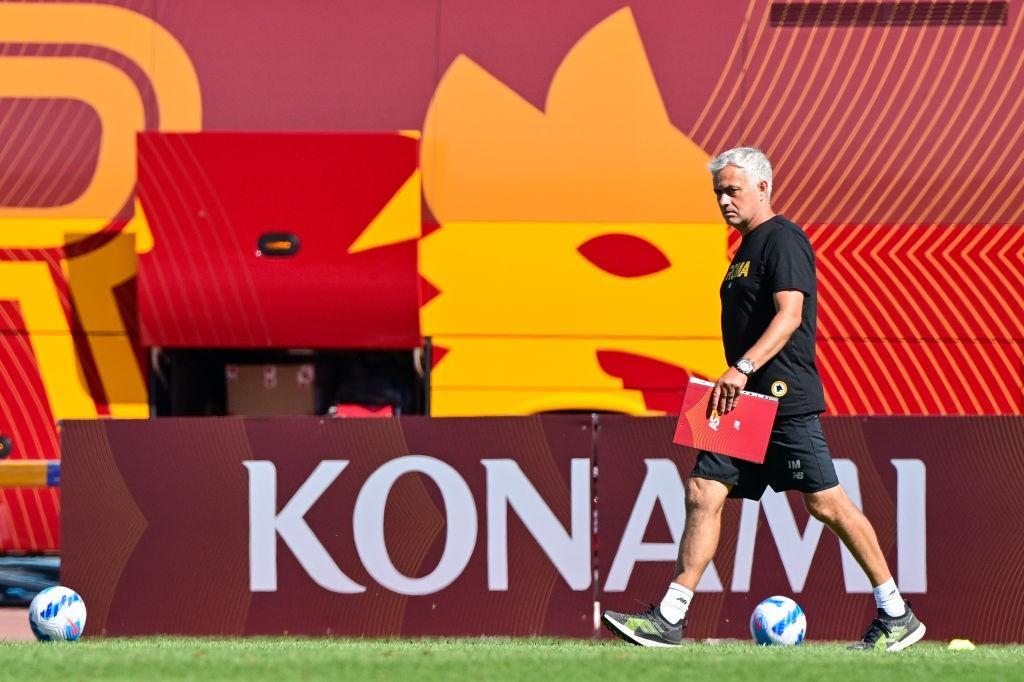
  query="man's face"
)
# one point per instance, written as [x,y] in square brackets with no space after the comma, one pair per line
[739,199]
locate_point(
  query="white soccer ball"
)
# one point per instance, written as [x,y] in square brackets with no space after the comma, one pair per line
[57,613]
[779,621]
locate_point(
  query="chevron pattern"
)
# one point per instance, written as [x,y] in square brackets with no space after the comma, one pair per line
[927,282]
[920,319]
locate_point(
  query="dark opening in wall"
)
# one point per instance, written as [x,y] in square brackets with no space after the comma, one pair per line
[864,14]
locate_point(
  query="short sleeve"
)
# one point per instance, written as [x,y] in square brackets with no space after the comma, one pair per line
[789,262]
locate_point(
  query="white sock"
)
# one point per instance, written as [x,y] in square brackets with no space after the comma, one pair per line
[676,602]
[888,598]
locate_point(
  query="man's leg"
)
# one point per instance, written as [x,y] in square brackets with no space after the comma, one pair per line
[663,624]
[835,509]
[896,627]
[705,499]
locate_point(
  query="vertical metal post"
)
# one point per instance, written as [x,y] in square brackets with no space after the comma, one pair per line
[428,364]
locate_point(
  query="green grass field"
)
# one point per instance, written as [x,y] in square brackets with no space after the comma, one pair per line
[173,658]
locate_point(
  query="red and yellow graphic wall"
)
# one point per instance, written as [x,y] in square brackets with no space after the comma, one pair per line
[569,249]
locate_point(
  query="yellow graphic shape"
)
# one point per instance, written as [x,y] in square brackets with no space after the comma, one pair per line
[528,279]
[490,376]
[517,191]
[138,227]
[92,278]
[107,90]
[30,284]
[398,221]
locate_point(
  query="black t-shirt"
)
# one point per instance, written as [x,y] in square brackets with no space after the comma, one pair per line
[775,256]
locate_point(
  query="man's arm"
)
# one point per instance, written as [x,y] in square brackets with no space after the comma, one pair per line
[789,307]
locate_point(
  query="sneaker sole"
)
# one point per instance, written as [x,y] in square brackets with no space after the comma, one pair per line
[912,638]
[625,634]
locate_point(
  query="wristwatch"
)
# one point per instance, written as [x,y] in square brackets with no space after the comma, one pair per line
[745,366]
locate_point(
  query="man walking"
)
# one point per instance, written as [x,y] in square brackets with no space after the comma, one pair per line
[769,314]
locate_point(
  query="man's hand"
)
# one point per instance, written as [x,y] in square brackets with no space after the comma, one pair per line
[727,391]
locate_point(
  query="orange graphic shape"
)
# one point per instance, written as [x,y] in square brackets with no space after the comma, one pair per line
[602,150]
[585,227]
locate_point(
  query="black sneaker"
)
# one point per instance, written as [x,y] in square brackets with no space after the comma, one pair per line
[644,629]
[891,634]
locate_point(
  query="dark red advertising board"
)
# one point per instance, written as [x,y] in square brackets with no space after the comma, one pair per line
[944,495]
[172,526]
[515,526]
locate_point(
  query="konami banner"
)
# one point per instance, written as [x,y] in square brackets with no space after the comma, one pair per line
[514,526]
[363,527]
[943,493]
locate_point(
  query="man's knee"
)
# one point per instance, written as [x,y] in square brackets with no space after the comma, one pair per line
[827,505]
[703,494]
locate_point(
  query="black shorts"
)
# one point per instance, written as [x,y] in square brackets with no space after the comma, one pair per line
[797,459]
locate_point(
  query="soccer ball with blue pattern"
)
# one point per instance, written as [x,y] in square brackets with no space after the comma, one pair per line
[57,613]
[778,621]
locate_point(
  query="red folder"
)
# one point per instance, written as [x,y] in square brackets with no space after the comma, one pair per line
[742,433]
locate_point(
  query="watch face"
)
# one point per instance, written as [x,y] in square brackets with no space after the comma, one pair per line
[745,366]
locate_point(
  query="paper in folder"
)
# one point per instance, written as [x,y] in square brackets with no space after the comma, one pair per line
[743,433]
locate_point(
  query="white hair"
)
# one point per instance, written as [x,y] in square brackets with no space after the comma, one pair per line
[750,160]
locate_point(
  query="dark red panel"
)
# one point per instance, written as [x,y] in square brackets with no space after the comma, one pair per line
[51,162]
[183,515]
[357,65]
[210,196]
[908,470]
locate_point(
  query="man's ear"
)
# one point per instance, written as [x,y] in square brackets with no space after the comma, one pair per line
[763,186]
